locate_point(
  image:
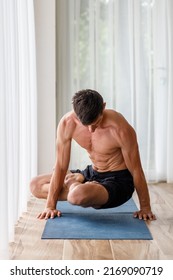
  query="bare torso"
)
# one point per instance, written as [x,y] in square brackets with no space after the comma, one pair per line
[102,144]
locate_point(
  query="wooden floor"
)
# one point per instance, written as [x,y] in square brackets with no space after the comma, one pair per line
[28,243]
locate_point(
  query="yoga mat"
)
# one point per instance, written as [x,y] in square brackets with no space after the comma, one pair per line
[88,223]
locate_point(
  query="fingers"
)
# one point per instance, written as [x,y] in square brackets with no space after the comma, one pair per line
[144,216]
[59,214]
[49,214]
[140,216]
[151,217]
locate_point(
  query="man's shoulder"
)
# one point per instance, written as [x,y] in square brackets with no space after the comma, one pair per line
[118,123]
[68,118]
[110,113]
[117,119]
[67,124]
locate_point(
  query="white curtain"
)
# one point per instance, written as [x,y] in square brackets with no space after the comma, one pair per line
[123,49]
[18,120]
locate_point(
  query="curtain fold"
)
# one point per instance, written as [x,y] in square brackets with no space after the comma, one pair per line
[169,150]
[123,49]
[18,113]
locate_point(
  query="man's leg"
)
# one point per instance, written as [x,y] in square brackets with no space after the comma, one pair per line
[89,194]
[39,185]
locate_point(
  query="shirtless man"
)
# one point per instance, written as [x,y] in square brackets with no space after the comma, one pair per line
[112,147]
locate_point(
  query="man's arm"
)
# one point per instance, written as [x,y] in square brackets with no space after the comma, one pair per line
[63,148]
[129,147]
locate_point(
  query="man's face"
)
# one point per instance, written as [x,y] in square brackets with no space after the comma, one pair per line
[92,127]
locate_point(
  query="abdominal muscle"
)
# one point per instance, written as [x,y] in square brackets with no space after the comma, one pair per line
[105,163]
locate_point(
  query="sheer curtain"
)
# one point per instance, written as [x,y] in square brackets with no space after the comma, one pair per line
[18,150]
[123,49]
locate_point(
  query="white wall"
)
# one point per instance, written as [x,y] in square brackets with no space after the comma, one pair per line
[46,82]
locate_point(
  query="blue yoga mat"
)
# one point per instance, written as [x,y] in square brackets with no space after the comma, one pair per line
[88,223]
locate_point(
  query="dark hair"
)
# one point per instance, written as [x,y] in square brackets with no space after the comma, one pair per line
[88,105]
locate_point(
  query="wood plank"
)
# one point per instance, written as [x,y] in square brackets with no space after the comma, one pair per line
[87,250]
[28,243]
[135,250]
[28,231]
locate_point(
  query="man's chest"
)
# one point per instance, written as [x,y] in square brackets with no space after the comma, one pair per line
[101,141]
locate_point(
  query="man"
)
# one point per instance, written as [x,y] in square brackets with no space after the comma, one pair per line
[112,147]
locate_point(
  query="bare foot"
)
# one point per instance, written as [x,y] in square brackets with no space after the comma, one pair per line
[73,177]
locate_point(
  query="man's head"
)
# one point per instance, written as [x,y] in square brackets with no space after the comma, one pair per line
[88,105]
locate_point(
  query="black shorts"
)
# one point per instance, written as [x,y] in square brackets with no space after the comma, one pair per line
[119,184]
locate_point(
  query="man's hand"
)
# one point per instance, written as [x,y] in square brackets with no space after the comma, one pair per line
[144,215]
[49,213]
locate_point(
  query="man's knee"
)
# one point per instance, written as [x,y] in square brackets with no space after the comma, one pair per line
[77,194]
[34,187]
